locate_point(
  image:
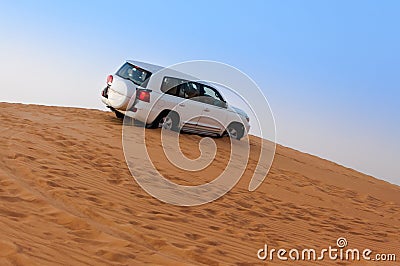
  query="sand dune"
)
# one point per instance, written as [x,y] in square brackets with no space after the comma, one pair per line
[67,197]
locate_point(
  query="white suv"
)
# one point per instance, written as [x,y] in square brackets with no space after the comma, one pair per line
[160,97]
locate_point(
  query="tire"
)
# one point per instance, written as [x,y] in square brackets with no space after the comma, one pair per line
[235,131]
[169,121]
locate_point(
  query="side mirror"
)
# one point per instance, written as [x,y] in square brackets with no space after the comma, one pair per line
[222,104]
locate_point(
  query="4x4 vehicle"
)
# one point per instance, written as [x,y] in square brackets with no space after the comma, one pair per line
[161,97]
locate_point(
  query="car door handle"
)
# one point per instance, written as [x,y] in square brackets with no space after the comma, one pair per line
[206,110]
[182,104]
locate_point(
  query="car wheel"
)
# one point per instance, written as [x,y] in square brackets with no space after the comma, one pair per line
[169,122]
[235,131]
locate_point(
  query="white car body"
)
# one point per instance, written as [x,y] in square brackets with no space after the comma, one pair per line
[135,90]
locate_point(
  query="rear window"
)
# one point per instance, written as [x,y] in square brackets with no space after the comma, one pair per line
[135,74]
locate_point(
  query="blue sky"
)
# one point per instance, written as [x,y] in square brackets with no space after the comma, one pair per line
[330,69]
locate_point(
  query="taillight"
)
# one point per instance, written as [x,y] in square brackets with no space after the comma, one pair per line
[248,119]
[110,79]
[143,95]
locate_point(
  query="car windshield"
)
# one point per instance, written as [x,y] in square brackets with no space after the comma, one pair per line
[133,73]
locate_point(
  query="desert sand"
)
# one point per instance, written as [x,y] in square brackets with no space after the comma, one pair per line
[68,198]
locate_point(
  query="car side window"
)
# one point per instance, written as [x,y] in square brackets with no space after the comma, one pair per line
[171,86]
[189,90]
[192,90]
[182,90]
[212,96]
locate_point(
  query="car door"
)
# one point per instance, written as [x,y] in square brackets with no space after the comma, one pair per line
[214,114]
[189,107]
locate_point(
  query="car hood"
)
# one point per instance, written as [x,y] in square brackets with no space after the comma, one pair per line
[237,110]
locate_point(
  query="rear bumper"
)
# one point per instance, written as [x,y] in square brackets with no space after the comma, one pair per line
[105,101]
[137,113]
[104,96]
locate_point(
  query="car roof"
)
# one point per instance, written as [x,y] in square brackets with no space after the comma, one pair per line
[146,66]
[155,68]
[205,83]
